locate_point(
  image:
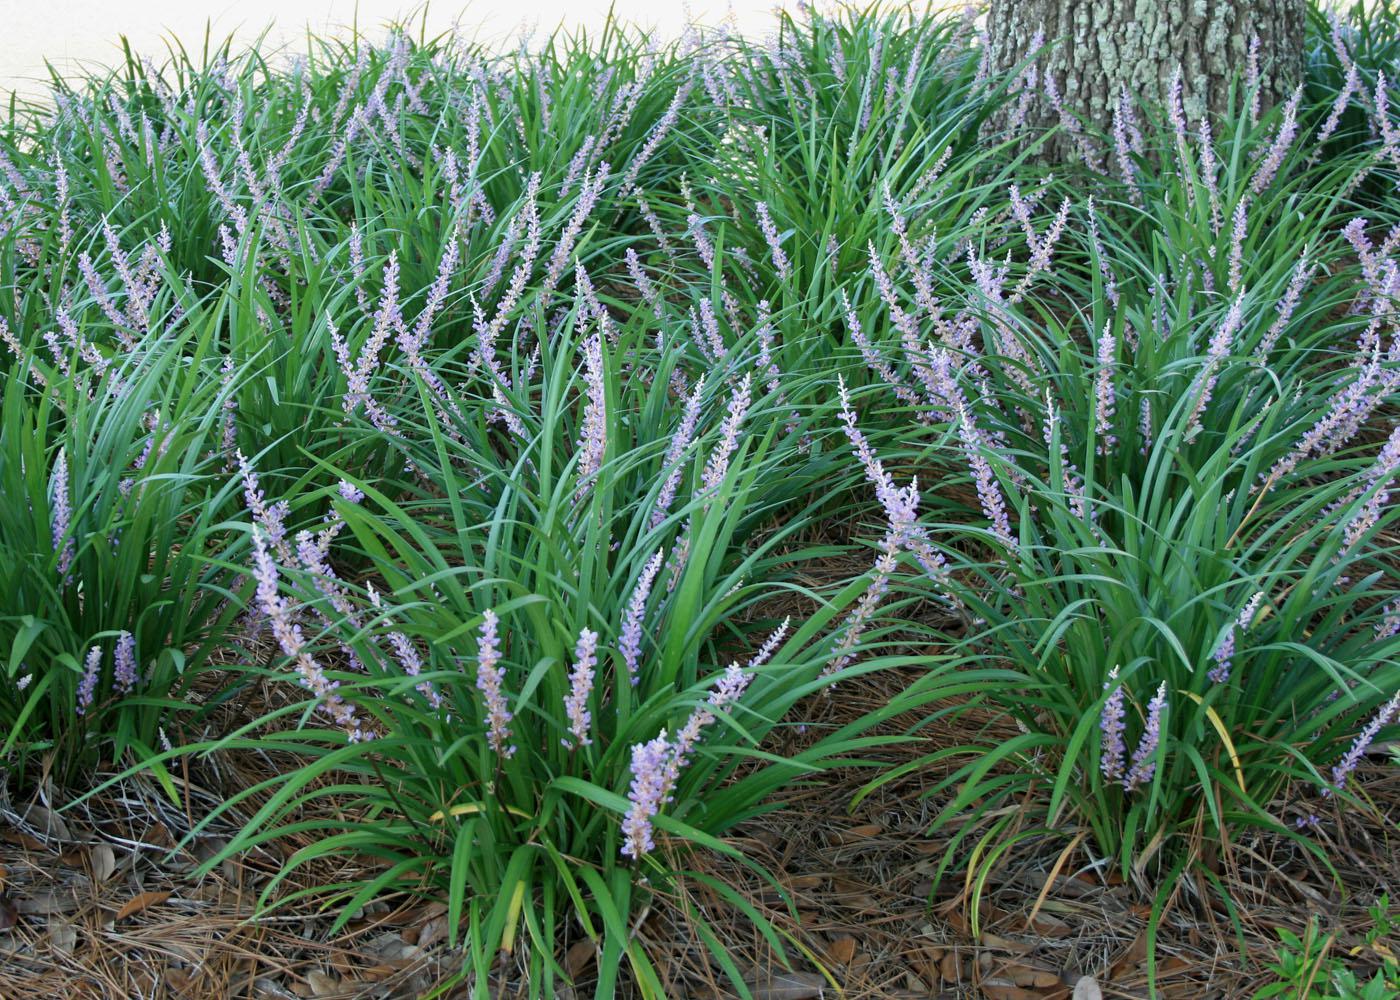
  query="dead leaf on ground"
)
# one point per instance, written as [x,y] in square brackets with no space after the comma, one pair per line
[322,985]
[47,901]
[579,957]
[432,932]
[950,969]
[63,936]
[1002,989]
[179,981]
[998,943]
[1029,975]
[141,901]
[842,950]
[103,861]
[47,822]
[786,986]
[1131,958]
[1087,989]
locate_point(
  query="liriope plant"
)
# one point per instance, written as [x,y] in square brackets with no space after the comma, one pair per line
[536,659]
[1175,536]
[113,488]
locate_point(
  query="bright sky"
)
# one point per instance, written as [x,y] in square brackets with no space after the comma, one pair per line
[70,33]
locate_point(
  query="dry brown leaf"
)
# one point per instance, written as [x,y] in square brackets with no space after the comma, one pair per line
[139,902]
[47,822]
[786,986]
[1131,959]
[1050,926]
[950,969]
[1001,989]
[47,901]
[1030,975]
[179,981]
[103,862]
[842,950]
[22,839]
[1173,965]
[433,931]
[1087,989]
[579,956]
[322,985]
[63,936]
[999,943]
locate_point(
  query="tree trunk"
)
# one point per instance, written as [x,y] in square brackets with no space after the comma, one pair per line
[1095,50]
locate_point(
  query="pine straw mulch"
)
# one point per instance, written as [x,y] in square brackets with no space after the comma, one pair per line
[94,907]
[862,883]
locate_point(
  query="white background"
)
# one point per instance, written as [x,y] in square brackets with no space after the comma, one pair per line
[74,33]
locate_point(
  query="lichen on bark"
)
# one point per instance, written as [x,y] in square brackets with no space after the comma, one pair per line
[1093,50]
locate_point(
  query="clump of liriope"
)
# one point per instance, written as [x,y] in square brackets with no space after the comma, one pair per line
[1178,538]
[552,658]
[111,605]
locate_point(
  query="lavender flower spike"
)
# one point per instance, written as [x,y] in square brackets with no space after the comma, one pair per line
[1287,131]
[581,688]
[680,441]
[770,646]
[1223,655]
[289,638]
[1145,757]
[1112,758]
[728,690]
[489,678]
[1347,764]
[1104,395]
[630,642]
[125,676]
[87,687]
[771,235]
[650,762]
[593,436]
[62,517]
[718,466]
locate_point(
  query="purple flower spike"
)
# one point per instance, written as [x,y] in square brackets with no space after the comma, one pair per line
[1224,652]
[770,234]
[769,647]
[1145,757]
[1347,764]
[630,642]
[62,517]
[581,688]
[489,678]
[680,441]
[593,438]
[125,676]
[1104,395]
[1287,132]
[87,687]
[718,466]
[1223,655]
[1378,479]
[650,763]
[289,637]
[1114,754]
[727,691]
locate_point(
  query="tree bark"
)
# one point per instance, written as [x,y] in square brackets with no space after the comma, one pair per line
[1094,50]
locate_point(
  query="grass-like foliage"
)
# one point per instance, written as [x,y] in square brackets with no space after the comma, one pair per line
[508,408]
